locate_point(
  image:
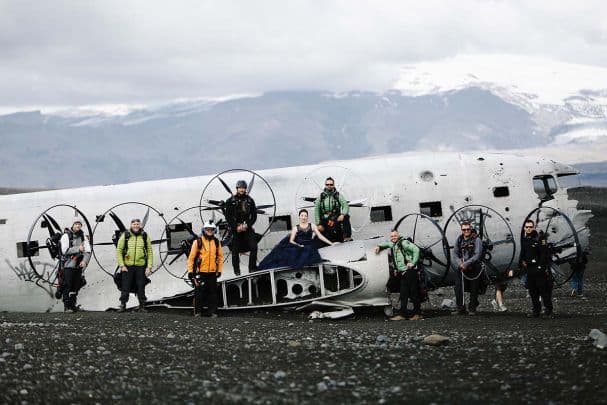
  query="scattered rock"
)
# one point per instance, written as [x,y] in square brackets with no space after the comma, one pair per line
[600,339]
[294,343]
[382,339]
[279,375]
[321,386]
[435,340]
[19,346]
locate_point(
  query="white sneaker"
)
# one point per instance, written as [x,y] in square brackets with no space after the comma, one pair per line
[495,306]
[502,308]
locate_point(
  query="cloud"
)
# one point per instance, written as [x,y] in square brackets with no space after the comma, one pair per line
[75,52]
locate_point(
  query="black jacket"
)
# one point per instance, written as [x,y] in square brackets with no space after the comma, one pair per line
[535,253]
[241,209]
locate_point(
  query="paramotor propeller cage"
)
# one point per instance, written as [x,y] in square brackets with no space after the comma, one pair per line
[427,234]
[562,238]
[495,233]
[223,185]
[313,184]
[180,233]
[119,217]
[46,265]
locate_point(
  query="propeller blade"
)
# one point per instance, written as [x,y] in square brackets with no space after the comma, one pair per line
[55,224]
[490,265]
[225,185]
[502,242]
[188,228]
[251,184]
[145,218]
[415,227]
[49,226]
[103,244]
[118,222]
[218,203]
[481,230]
[261,207]
[176,257]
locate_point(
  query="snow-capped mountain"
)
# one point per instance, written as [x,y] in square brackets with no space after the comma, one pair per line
[468,103]
[565,100]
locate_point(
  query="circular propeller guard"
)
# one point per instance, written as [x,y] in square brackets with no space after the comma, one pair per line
[495,233]
[44,258]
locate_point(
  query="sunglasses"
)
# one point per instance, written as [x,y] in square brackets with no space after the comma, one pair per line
[528,227]
[329,185]
[466,229]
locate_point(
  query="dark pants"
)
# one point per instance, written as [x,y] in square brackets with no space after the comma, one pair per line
[206,294]
[409,290]
[243,242]
[473,286]
[70,286]
[338,231]
[134,274]
[540,286]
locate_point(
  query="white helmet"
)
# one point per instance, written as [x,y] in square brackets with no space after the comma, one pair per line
[209,224]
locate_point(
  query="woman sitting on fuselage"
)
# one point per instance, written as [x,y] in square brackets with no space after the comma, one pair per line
[298,249]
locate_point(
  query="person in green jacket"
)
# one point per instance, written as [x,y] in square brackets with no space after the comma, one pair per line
[135,260]
[332,214]
[405,257]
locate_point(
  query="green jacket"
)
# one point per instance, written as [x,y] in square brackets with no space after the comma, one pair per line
[327,203]
[135,254]
[410,249]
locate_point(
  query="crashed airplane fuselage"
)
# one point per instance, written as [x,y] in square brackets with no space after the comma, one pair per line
[433,192]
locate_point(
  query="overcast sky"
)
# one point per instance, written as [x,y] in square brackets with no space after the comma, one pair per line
[71,53]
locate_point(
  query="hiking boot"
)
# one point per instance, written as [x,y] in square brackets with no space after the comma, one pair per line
[472,312]
[122,308]
[502,308]
[141,308]
[460,311]
[573,293]
[237,272]
[495,305]
[213,315]
[348,239]
[197,315]
[416,317]
[397,318]
[533,315]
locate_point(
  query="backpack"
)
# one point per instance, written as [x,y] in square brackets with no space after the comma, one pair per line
[323,196]
[198,259]
[127,235]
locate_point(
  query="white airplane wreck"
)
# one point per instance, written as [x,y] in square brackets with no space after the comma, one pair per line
[424,195]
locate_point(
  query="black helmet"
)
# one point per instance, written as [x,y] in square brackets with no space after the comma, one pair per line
[241,184]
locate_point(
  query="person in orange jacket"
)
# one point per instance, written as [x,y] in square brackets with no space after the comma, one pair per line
[205,263]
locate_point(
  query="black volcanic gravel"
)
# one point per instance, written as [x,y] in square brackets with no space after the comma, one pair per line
[279,357]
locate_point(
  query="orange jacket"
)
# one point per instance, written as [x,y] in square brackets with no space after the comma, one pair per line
[211,256]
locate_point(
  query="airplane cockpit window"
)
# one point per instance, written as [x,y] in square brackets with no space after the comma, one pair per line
[567,180]
[381,214]
[22,249]
[280,223]
[431,208]
[544,186]
[501,192]
[176,233]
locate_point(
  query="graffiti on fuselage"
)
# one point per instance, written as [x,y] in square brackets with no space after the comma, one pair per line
[25,273]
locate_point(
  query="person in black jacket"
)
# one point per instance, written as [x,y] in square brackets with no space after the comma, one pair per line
[241,214]
[534,261]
